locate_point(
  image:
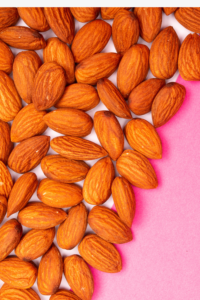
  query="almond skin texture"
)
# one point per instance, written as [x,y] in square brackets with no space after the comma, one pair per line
[189,17]
[85,14]
[150,19]
[6,145]
[137,169]
[109,133]
[37,215]
[100,254]
[58,194]
[133,69]
[79,96]
[125,30]
[21,193]
[143,137]
[28,123]
[58,51]
[8,16]
[77,148]
[34,17]
[35,243]
[124,200]
[10,102]
[28,154]
[112,99]
[79,276]
[50,271]
[3,208]
[189,58]
[97,185]
[61,22]
[98,66]
[167,103]
[18,273]
[64,295]
[164,51]
[141,98]
[6,58]
[90,39]
[9,293]
[10,235]
[25,67]
[108,13]
[64,170]
[6,181]
[169,10]
[72,230]
[49,85]
[69,121]
[22,38]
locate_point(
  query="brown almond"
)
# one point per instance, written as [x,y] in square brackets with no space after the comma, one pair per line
[34,17]
[108,13]
[3,208]
[8,16]
[169,10]
[85,14]
[6,58]
[6,145]
[7,292]
[6,181]
[189,17]
[64,295]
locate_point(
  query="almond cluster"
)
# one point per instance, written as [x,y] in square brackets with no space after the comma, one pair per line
[71,80]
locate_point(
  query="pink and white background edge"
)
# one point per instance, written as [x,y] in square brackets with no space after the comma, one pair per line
[163,260]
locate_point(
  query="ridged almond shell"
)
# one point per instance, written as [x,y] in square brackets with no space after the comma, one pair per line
[9,293]
[169,10]
[6,145]
[64,295]
[6,181]
[3,207]
[85,14]
[189,17]
[6,58]
[8,16]
[108,13]
[34,17]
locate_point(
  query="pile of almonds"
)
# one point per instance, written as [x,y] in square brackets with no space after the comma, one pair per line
[66,82]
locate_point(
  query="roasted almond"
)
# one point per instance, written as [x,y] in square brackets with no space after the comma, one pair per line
[108,13]
[6,145]
[6,181]
[34,17]
[169,10]
[8,16]
[3,207]
[6,58]
[85,14]
[64,295]
[7,293]
[189,17]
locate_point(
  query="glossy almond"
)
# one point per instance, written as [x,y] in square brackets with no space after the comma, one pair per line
[141,98]
[6,181]
[58,194]
[169,10]
[69,121]
[61,22]
[7,293]
[8,16]
[85,14]
[167,103]
[137,169]
[109,133]
[6,145]
[79,276]
[90,39]
[21,193]
[98,66]
[34,17]
[72,230]
[37,215]
[108,13]
[164,51]
[100,254]
[189,17]
[25,67]
[64,295]
[28,154]
[133,69]
[3,207]
[35,243]
[6,58]
[143,137]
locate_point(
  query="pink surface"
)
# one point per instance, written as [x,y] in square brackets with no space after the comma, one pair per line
[163,260]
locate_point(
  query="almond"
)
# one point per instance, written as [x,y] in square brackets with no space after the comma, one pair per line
[85,14]
[97,185]
[167,103]
[79,276]
[7,293]
[124,200]
[10,102]
[49,85]
[79,96]
[28,154]
[8,16]
[91,39]
[64,170]
[150,19]
[28,123]
[108,13]
[21,193]
[133,69]
[109,133]
[18,273]
[72,230]
[3,208]
[100,254]
[137,169]
[34,17]
[164,51]
[77,148]
[37,215]
[125,30]
[64,295]
[6,58]
[69,121]
[141,98]
[10,235]
[61,22]
[35,243]
[25,67]
[5,180]
[98,66]
[143,137]
[169,10]
[58,51]
[22,38]
[6,145]
[189,17]
[58,194]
